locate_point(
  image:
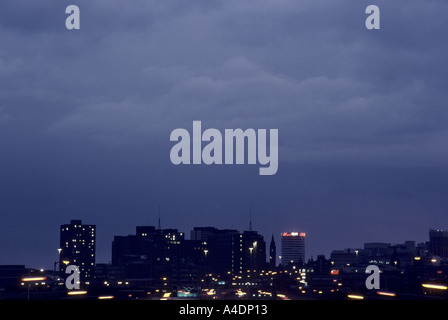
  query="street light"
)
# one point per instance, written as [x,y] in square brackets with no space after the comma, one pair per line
[251,258]
[57,262]
[205,261]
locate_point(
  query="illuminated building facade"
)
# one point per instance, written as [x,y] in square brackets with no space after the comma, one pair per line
[293,248]
[77,247]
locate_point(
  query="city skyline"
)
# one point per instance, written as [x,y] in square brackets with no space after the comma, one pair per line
[276,237]
[156,263]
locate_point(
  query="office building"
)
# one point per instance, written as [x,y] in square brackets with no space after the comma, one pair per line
[223,252]
[229,251]
[438,243]
[203,233]
[293,248]
[157,257]
[347,257]
[253,251]
[77,247]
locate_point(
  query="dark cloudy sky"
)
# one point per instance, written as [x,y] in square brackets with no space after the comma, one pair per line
[86,115]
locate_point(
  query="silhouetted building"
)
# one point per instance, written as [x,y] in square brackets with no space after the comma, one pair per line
[203,233]
[224,252]
[346,257]
[254,251]
[272,254]
[10,276]
[229,251]
[293,248]
[388,255]
[319,274]
[77,247]
[384,255]
[438,243]
[157,257]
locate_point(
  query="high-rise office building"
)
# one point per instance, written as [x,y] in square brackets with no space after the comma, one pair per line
[148,246]
[438,242]
[229,251]
[203,233]
[224,252]
[156,256]
[293,248]
[77,247]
